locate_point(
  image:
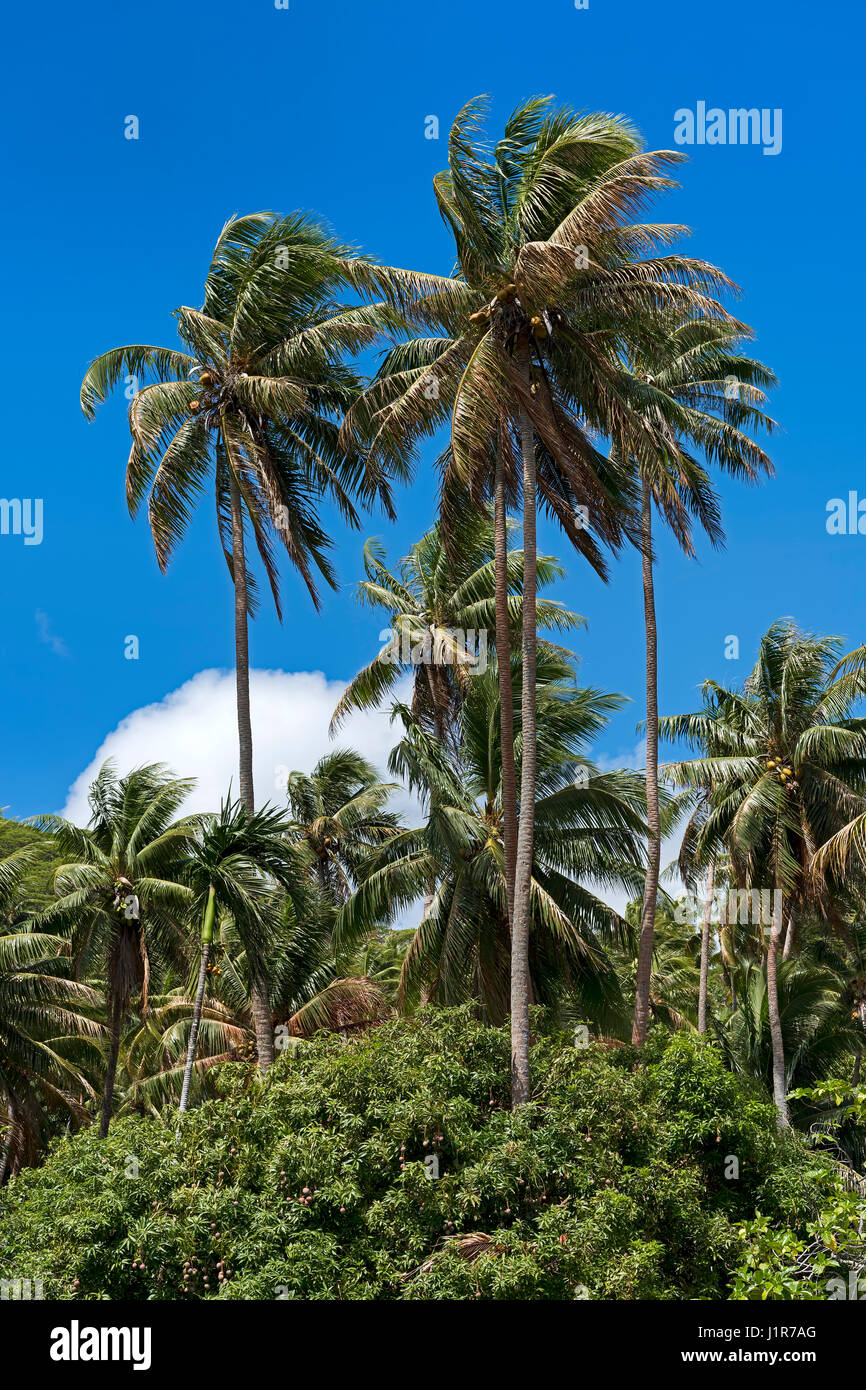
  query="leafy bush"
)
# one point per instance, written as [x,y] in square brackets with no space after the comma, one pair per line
[321,1182]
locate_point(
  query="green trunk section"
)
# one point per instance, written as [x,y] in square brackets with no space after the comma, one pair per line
[208,919]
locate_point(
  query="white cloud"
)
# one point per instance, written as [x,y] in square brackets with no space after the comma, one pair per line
[194,731]
[632,758]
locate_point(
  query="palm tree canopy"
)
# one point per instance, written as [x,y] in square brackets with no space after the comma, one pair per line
[119,889]
[786,758]
[255,395]
[339,814]
[437,593]
[547,257]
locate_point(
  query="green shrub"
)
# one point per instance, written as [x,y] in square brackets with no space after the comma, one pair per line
[316,1184]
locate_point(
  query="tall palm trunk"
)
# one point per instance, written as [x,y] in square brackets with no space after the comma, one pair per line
[206,939]
[858,1055]
[242,653]
[259,988]
[262,1023]
[654,845]
[506,699]
[520,985]
[780,1089]
[705,950]
[789,938]
[114,1015]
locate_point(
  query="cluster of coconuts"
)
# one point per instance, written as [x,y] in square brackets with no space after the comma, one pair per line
[502,296]
[206,379]
[783,772]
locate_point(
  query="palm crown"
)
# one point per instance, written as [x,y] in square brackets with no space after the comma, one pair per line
[787,761]
[436,594]
[255,398]
[547,292]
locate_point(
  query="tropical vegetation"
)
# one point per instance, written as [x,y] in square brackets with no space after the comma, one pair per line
[334,1047]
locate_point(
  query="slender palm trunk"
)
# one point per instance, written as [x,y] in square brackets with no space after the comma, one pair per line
[705,950]
[506,700]
[206,939]
[259,989]
[193,1032]
[654,844]
[520,984]
[242,652]
[789,938]
[780,1089]
[114,1013]
[262,1022]
[7,1141]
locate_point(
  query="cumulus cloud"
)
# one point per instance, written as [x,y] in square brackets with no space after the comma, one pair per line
[194,731]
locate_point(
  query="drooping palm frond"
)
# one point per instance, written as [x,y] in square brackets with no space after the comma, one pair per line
[440,609]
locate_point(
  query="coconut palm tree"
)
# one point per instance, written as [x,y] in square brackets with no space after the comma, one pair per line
[154,1051]
[338,812]
[319,986]
[818,1032]
[253,403]
[589,826]
[119,889]
[310,985]
[526,364]
[699,391]
[232,868]
[436,595]
[676,963]
[45,1019]
[787,764]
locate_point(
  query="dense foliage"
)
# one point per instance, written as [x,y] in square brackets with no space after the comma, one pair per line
[295,1100]
[37,880]
[614,1183]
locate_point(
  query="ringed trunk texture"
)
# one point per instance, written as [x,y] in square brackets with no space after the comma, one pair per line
[259,991]
[520,984]
[262,1022]
[7,1140]
[789,938]
[705,950]
[780,1090]
[111,1069]
[654,845]
[506,699]
[242,652]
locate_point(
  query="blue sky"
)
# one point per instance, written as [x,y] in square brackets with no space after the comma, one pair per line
[243,106]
